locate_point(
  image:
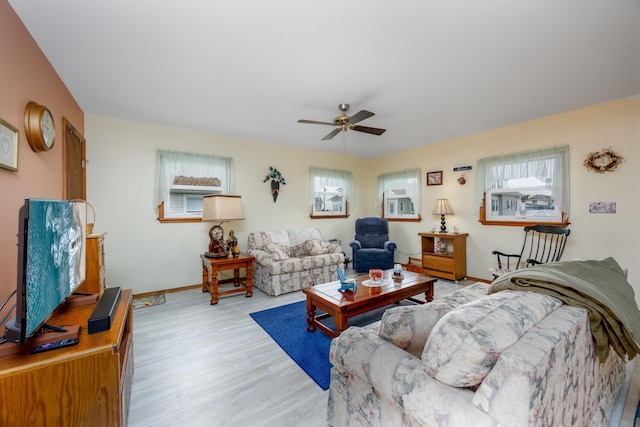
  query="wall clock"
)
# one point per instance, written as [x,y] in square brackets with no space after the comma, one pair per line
[39,127]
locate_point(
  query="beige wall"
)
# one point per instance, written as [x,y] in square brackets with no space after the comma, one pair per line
[614,124]
[26,75]
[145,255]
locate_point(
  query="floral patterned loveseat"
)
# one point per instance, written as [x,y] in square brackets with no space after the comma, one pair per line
[511,358]
[290,260]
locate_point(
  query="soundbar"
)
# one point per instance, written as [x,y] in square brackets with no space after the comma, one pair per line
[102,316]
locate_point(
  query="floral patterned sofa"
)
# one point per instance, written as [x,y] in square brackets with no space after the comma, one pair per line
[445,364]
[290,260]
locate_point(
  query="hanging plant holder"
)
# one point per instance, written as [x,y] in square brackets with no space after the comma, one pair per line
[276,179]
[275,189]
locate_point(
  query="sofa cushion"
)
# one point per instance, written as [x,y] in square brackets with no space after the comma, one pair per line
[302,235]
[466,342]
[330,248]
[314,247]
[276,252]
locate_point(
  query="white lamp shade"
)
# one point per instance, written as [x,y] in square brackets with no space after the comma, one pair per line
[222,207]
[442,207]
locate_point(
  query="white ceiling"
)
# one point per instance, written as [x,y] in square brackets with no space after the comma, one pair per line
[430,70]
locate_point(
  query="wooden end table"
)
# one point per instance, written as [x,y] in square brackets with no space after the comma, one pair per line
[344,305]
[211,267]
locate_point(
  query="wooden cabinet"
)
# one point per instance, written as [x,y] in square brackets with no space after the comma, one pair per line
[449,263]
[95,282]
[87,384]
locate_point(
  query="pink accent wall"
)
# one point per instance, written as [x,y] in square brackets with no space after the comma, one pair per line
[26,75]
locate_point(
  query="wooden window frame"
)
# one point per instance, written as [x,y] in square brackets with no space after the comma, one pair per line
[483,219]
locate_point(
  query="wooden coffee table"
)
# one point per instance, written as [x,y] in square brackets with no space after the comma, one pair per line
[343,305]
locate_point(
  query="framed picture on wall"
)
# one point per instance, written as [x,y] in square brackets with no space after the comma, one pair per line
[8,146]
[434,178]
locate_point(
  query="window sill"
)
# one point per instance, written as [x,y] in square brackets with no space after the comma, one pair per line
[484,221]
[327,216]
[164,220]
[418,219]
[341,215]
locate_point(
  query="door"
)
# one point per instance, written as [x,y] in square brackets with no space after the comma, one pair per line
[73,170]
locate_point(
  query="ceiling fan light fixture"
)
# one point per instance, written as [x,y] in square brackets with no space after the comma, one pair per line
[344,122]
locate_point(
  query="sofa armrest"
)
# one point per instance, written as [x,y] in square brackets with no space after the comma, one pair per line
[408,327]
[355,245]
[551,376]
[400,378]
[262,257]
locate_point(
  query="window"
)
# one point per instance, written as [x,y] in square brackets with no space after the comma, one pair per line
[525,188]
[331,192]
[183,178]
[399,194]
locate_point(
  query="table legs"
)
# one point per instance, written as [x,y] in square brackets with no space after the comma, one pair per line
[248,279]
[429,293]
[211,284]
[311,316]
[313,321]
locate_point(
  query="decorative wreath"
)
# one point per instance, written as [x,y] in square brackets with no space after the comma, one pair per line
[603,161]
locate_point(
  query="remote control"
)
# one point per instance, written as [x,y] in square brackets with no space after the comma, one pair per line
[53,345]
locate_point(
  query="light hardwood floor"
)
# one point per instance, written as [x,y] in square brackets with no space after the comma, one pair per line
[203,365]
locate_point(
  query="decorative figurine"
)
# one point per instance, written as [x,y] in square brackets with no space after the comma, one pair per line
[346,284]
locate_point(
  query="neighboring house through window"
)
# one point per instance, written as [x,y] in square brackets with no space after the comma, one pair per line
[399,193]
[183,178]
[331,192]
[525,188]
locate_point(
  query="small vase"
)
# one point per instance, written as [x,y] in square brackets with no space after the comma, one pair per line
[275,188]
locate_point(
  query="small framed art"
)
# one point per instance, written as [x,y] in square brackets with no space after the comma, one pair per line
[434,178]
[8,146]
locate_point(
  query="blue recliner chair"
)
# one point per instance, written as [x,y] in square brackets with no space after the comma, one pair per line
[371,246]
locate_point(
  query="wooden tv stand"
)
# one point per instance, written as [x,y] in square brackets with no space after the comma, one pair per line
[87,384]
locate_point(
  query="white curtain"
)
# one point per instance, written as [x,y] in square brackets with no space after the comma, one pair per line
[408,180]
[550,165]
[174,163]
[320,177]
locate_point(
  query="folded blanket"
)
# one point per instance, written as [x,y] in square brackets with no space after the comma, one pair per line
[600,287]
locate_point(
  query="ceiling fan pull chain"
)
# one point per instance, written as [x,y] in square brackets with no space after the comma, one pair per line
[344,149]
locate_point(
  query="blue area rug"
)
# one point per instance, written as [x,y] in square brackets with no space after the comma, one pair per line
[287,325]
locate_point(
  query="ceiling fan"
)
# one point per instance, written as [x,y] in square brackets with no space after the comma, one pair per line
[345,122]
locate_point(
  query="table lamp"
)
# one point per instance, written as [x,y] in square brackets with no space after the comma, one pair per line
[442,208]
[220,208]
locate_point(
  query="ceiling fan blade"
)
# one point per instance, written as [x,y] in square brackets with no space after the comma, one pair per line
[366,129]
[332,134]
[313,122]
[360,116]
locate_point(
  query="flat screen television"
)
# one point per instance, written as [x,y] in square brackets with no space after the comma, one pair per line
[51,262]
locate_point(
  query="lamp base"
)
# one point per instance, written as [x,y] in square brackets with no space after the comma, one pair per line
[443,227]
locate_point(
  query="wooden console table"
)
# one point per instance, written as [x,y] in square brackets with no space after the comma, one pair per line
[211,267]
[451,264]
[88,384]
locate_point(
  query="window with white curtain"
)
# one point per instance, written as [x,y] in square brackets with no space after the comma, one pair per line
[182,180]
[331,192]
[529,187]
[399,193]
